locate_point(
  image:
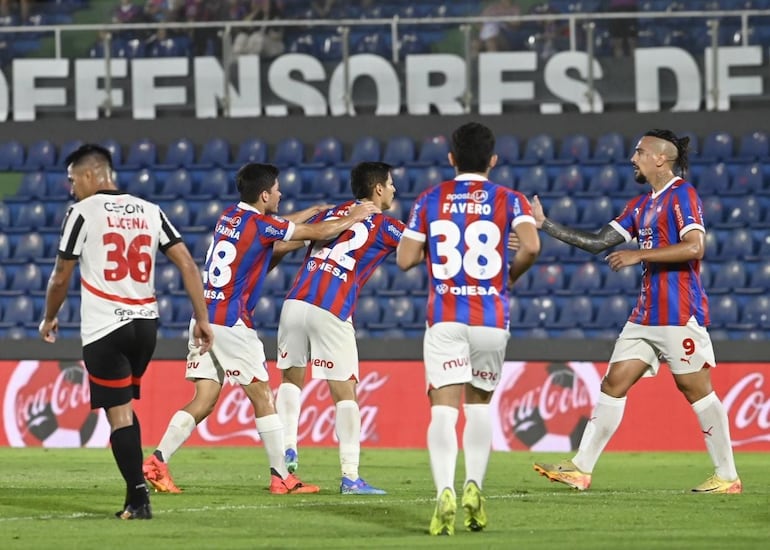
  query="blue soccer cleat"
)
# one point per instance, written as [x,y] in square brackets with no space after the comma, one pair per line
[358,487]
[291,459]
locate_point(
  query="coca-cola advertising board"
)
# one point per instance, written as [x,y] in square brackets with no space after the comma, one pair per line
[540,406]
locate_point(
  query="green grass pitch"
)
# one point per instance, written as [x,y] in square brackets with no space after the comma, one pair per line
[66,498]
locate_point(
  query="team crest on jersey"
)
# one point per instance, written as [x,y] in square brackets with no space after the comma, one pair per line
[442,288]
[466,290]
[311,266]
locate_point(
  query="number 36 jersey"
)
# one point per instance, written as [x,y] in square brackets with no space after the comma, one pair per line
[466,223]
[116,236]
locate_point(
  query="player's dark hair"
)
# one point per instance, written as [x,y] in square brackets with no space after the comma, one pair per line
[473,145]
[681,144]
[253,178]
[365,176]
[89,151]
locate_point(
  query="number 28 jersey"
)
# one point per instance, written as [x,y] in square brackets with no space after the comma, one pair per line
[466,223]
[116,237]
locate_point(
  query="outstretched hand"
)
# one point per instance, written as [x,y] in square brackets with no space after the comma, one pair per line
[622,258]
[364,210]
[537,212]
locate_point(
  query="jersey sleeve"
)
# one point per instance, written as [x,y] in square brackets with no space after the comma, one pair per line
[688,210]
[625,223]
[522,210]
[274,228]
[416,227]
[169,235]
[392,229]
[73,234]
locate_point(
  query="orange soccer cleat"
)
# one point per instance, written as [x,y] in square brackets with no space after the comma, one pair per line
[157,474]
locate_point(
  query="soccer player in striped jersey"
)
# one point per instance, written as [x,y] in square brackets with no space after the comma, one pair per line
[241,253]
[316,326]
[671,315]
[115,237]
[462,228]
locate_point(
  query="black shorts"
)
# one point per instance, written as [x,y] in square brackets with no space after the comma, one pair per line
[116,363]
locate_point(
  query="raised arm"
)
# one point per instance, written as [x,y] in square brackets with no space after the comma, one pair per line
[331,228]
[191,277]
[527,252]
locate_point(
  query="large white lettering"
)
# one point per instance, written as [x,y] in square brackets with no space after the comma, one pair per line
[421,94]
[209,90]
[728,86]
[385,78]
[4,98]
[570,90]
[146,95]
[293,91]
[26,97]
[493,90]
[89,96]
[648,64]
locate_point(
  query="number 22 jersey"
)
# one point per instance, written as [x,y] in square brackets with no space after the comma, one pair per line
[466,223]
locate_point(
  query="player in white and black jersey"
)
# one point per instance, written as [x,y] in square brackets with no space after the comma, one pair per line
[115,237]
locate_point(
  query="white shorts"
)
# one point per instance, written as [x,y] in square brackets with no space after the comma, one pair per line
[237,354]
[455,353]
[310,333]
[686,348]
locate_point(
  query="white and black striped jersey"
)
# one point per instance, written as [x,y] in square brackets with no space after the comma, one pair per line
[116,237]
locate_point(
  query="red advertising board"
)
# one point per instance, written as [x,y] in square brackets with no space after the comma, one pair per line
[538,405]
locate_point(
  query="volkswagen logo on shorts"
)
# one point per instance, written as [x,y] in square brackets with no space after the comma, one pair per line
[442,288]
[311,266]
[480,195]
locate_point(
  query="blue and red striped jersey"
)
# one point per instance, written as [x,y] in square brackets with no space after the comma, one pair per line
[334,272]
[466,223]
[671,292]
[237,261]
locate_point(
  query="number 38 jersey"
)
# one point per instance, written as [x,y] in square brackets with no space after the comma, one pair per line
[116,236]
[466,223]
[333,273]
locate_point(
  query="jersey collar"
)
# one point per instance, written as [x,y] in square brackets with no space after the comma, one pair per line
[246,206]
[671,182]
[469,176]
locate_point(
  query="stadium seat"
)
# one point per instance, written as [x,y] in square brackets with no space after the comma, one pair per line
[434,150]
[534,181]
[412,281]
[251,150]
[33,185]
[327,152]
[41,155]
[365,149]
[507,149]
[31,215]
[547,278]
[723,310]
[575,311]
[27,277]
[141,154]
[625,281]
[743,211]
[728,276]
[183,309]
[748,179]
[605,181]
[29,247]
[379,281]
[504,175]
[5,250]
[215,153]
[759,276]
[19,310]
[539,311]
[165,309]
[115,151]
[141,183]
[266,312]
[754,147]
[612,312]
[367,311]
[564,210]
[180,153]
[569,181]
[514,308]
[717,147]
[327,183]
[574,148]
[291,182]
[398,310]
[276,281]
[215,184]
[552,249]
[207,214]
[597,211]
[177,184]
[178,213]
[11,155]
[399,151]
[289,152]
[167,278]
[714,180]
[713,210]
[756,312]
[739,243]
[587,278]
[202,244]
[5,216]
[609,148]
[66,149]
[539,149]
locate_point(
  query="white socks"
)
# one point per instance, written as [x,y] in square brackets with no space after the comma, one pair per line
[179,429]
[271,433]
[287,404]
[442,446]
[716,431]
[348,428]
[477,442]
[605,420]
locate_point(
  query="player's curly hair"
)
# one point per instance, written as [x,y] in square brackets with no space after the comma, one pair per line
[682,147]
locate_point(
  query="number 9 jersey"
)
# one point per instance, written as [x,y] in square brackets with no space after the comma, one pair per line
[465,223]
[116,236]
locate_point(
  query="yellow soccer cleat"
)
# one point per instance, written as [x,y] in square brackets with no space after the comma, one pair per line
[473,505]
[564,472]
[443,521]
[715,484]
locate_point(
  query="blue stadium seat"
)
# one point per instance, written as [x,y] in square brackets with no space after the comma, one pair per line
[167,278]
[276,281]
[115,151]
[754,147]
[626,281]
[267,311]
[5,249]
[398,310]
[569,181]
[412,281]
[514,308]
[425,178]
[575,311]
[507,149]
[11,155]
[728,276]
[165,309]
[398,210]
[609,148]
[183,309]
[547,278]
[743,210]
[202,244]
[759,276]
[141,183]
[67,148]
[19,310]
[717,146]
[5,216]
[178,183]
[29,246]
[365,149]
[713,210]
[434,150]
[756,312]
[503,174]
[612,312]
[714,180]
[739,243]
[539,311]
[597,211]
[41,155]
[367,311]
[552,250]
[215,183]
[534,181]
[289,152]
[564,210]
[141,154]
[539,149]
[712,246]
[215,152]
[587,278]
[327,152]
[31,215]
[251,150]
[379,281]
[291,182]
[27,277]
[207,213]
[723,310]
[33,185]
[327,182]
[178,213]
[605,181]
[399,151]
[180,153]
[748,179]
[574,148]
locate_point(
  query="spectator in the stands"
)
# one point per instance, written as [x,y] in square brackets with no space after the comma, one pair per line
[492,34]
[22,8]
[622,31]
[264,41]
